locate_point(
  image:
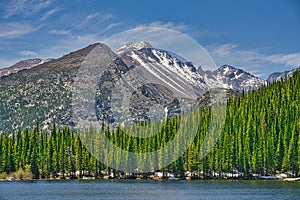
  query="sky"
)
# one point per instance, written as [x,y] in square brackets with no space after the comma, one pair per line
[260,37]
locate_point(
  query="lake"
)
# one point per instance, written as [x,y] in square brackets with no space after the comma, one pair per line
[148,189]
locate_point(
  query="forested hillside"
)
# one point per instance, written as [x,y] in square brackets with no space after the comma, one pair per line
[260,136]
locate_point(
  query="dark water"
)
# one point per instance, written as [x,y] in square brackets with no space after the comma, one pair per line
[144,189]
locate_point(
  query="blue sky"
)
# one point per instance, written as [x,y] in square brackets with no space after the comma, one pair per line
[258,36]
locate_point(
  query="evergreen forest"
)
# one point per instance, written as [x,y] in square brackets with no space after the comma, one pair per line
[261,135]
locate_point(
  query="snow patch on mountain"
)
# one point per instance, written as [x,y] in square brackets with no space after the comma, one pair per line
[182,78]
[231,78]
[175,72]
[277,76]
[133,46]
[21,65]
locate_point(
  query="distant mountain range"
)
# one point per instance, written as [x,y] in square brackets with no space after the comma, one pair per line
[41,90]
[21,65]
[229,77]
[277,76]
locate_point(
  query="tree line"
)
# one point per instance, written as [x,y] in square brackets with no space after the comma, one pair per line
[260,136]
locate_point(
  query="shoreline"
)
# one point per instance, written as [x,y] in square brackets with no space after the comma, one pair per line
[150,179]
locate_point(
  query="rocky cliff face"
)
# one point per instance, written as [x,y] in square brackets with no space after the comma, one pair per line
[231,78]
[139,83]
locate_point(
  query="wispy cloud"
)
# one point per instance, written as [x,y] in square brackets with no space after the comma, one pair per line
[28,53]
[86,20]
[252,60]
[48,14]
[69,43]
[86,39]
[224,50]
[85,24]
[95,18]
[292,59]
[78,31]
[14,30]
[111,26]
[24,7]
[189,29]
[60,32]
[252,56]
[182,27]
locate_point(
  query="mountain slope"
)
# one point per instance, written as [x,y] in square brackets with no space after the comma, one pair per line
[21,65]
[232,78]
[139,84]
[180,76]
[44,92]
[40,93]
[277,76]
[146,78]
[262,131]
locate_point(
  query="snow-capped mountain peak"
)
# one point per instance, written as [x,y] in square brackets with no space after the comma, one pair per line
[232,78]
[162,65]
[277,76]
[181,77]
[133,45]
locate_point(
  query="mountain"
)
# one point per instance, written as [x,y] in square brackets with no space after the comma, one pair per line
[152,78]
[277,76]
[166,69]
[40,93]
[133,45]
[231,78]
[138,83]
[260,138]
[21,65]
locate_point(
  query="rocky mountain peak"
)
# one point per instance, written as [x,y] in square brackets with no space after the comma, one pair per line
[136,80]
[133,46]
[277,76]
[230,70]
[230,77]
[21,65]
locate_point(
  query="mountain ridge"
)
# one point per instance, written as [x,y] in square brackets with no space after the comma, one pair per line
[277,76]
[44,92]
[230,77]
[22,65]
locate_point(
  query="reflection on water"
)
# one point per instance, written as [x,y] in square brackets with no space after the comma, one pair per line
[144,189]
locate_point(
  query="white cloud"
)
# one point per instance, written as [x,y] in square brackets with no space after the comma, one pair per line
[48,14]
[95,18]
[224,49]
[183,28]
[85,30]
[13,30]
[252,56]
[253,60]
[170,25]
[86,39]
[60,32]
[28,53]
[292,59]
[68,44]
[86,20]
[232,55]
[105,17]
[25,8]
[112,25]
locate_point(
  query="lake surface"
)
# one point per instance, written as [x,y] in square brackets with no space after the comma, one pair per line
[149,189]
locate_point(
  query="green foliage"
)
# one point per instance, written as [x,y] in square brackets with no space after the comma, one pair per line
[260,135]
